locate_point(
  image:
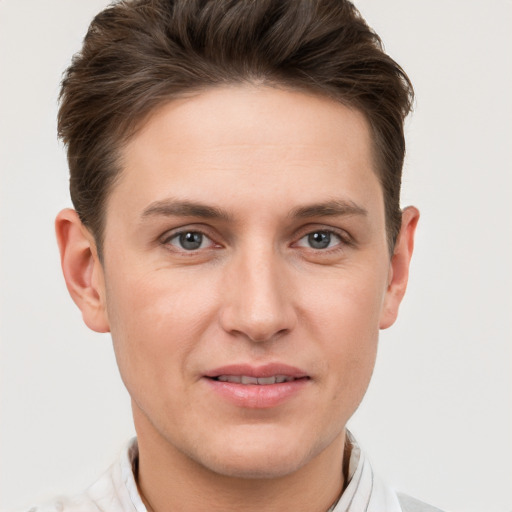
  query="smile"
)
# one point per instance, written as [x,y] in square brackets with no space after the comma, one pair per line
[258,387]
[261,381]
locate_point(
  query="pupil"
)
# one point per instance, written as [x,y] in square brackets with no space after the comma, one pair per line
[191,240]
[319,240]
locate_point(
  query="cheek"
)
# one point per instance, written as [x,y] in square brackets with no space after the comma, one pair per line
[344,314]
[155,324]
[347,304]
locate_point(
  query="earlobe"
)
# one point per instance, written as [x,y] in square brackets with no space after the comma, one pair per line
[82,269]
[399,267]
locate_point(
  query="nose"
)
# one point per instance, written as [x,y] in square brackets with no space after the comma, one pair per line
[258,302]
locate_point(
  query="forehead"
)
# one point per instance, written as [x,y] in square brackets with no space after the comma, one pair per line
[249,143]
[255,115]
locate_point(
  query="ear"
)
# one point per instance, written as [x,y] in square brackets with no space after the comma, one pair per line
[399,267]
[82,269]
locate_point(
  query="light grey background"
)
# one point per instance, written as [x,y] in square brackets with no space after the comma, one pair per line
[437,419]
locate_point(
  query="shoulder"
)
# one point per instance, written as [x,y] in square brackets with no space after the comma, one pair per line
[78,504]
[101,496]
[114,491]
[410,504]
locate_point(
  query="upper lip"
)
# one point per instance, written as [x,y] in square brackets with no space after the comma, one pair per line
[266,370]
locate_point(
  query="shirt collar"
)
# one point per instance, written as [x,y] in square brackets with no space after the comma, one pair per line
[364,491]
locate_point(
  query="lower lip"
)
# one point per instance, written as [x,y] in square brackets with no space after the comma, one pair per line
[255,396]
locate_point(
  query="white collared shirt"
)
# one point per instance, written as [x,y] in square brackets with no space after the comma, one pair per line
[116,490]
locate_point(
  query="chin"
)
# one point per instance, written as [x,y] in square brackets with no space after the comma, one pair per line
[255,465]
[261,456]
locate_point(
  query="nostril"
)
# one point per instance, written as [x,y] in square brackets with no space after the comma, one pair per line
[265,337]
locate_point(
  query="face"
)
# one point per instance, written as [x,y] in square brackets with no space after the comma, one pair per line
[246,275]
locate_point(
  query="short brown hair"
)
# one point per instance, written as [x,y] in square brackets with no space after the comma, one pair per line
[138,54]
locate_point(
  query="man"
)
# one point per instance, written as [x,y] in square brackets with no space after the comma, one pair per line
[235,170]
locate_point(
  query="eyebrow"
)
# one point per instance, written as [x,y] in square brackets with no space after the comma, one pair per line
[175,208]
[332,208]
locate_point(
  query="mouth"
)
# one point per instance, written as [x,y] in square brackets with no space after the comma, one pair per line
[263,375]
[258,381]
[258,387]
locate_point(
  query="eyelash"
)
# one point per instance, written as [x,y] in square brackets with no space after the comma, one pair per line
[344,240]
[166,240]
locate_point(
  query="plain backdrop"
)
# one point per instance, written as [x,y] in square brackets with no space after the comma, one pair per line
[436,421]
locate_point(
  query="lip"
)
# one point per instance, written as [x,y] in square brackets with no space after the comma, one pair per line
[257,396]
[266,370]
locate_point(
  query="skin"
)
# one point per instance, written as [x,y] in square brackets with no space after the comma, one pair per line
[274,166]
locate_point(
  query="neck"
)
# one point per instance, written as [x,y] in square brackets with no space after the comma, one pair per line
[170,480]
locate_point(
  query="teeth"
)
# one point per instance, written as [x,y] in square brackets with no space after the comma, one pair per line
[266,380]
[262,381]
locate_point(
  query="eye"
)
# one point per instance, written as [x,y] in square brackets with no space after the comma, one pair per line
[189,241]
[320,240]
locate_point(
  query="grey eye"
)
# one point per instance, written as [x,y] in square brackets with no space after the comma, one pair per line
[319,239]
[190,240]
